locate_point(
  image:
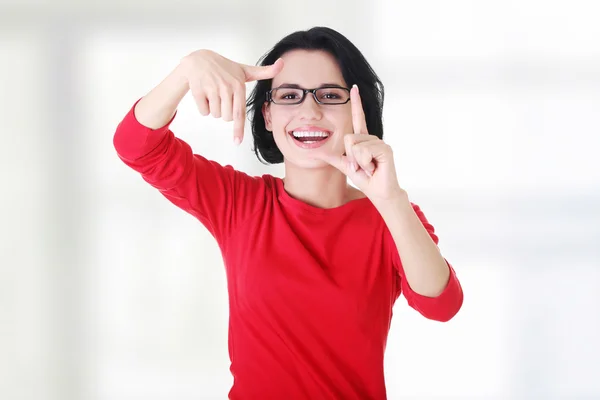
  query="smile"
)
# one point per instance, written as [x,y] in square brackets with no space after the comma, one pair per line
[310,139]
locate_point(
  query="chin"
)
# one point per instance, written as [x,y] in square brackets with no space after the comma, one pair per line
[299,161]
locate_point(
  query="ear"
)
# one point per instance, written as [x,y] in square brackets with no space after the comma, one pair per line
[266,111]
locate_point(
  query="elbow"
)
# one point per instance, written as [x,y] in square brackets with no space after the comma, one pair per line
[448,310]
[442,308]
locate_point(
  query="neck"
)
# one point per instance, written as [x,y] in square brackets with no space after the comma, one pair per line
[320,187]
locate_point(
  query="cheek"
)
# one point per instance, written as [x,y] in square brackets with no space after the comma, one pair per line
[343,120]
[279,119]
[279,126]
[338,146]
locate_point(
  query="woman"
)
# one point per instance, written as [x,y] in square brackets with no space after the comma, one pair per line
[313,265]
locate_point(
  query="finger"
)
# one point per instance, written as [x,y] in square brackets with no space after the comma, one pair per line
[226,104]
[239,113]
[354,139]
[256,73]
[200,100]
[343,164]
[214,102]
[364,157]
[351,140]
[202,104]
[378,151]
[348,143]
[347,167]
[359,123]
[340,162]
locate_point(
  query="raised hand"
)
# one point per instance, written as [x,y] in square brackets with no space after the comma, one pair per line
[218,85]
[368,160]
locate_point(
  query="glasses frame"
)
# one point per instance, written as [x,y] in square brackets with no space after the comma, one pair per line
[304,93]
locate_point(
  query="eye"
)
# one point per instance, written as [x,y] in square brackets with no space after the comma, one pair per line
[331,96]
[288,96]
[284,95]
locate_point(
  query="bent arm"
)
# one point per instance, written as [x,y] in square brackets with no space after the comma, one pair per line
[143,140]
[428,281]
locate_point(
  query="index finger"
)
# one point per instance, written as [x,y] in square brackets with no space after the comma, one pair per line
[258,72]
[239,114]
[359,123]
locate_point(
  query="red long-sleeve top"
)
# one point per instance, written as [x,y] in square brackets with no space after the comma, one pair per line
[310,300]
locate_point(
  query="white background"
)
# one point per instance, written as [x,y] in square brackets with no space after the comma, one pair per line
[108,292]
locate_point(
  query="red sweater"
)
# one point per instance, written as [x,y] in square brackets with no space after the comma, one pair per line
[310,300]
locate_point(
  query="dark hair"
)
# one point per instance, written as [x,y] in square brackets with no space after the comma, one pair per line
[355,70]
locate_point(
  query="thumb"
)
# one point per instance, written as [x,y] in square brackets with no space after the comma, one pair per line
[340,162]
[257,73]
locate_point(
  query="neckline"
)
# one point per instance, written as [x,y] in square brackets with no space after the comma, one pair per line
[286,198]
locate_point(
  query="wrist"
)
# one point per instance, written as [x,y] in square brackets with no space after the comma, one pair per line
[398,199]
[179,75]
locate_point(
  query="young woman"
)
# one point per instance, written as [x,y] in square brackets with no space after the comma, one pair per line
[314,266]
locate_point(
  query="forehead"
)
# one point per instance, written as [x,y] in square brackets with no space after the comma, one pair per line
[309,69]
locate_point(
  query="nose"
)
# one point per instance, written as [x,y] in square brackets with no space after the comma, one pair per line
[309,108]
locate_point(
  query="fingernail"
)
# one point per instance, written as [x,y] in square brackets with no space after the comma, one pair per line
[356,86]
[237,141]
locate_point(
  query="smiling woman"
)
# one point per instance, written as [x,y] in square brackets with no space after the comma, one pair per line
[311,293]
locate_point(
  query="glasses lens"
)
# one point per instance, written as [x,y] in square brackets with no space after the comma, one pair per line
[286,95]
[332,95]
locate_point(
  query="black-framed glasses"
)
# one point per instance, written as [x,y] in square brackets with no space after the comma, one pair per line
[322,95]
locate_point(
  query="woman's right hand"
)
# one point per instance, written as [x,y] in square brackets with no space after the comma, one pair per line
[218,85]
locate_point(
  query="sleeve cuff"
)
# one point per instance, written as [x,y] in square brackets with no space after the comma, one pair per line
[440,308]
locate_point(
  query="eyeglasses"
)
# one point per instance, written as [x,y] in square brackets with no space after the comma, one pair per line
[322,95]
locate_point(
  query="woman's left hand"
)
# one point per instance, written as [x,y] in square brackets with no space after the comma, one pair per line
[368,161]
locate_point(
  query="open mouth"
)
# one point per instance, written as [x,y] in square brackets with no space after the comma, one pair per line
[310,139]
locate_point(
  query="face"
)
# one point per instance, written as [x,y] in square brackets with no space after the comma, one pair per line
[290,124]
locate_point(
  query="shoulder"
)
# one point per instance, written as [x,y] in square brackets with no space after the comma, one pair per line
[251,187]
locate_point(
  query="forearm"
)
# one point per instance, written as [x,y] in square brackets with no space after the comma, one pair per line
[424,267]
[157,107]
[140,137]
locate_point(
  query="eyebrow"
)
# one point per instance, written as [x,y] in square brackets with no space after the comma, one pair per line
[296,86]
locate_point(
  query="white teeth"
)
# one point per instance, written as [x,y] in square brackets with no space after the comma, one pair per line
[310,134]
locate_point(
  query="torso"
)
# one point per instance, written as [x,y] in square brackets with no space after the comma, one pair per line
[311,295]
